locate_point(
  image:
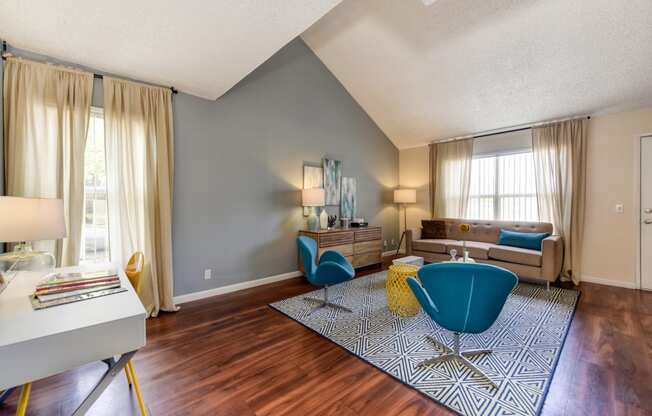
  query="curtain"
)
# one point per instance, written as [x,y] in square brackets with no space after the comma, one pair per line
[46,113]
[452,178]
[140,165]
[560,172]
[432,172]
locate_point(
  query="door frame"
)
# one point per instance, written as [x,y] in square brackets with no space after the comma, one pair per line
[638,141]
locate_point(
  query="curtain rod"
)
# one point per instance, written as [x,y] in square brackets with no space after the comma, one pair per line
[97,76]
[507,130]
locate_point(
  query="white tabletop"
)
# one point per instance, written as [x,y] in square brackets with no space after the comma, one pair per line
[39,343]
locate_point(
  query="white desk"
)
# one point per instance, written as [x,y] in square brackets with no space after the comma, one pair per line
[41,343]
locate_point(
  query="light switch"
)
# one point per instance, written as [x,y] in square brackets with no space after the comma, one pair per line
[207,274]
[620,208]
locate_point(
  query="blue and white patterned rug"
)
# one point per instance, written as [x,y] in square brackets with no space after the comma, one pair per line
[526,341]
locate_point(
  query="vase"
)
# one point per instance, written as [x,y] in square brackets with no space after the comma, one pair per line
[323,219]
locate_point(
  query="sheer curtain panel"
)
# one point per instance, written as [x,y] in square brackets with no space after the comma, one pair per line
[560,172]
[452,178]
[46,113]
[140,164]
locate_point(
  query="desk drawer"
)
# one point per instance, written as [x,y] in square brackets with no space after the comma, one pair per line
[368,234]
[335,239]
[345,249]
[367,246]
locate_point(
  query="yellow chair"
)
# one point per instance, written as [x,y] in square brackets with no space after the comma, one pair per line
[134,271]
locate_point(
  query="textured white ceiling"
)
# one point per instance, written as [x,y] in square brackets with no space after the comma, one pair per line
[200,47]
[462,66]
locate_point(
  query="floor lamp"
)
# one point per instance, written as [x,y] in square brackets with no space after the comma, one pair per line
[404,197]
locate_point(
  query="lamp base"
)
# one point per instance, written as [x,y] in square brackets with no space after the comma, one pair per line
[313,220]
[23,258]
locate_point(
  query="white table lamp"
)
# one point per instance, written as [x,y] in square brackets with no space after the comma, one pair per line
[404,196]
[313,197]
[24,220]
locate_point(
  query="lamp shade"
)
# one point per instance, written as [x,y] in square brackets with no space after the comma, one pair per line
[313,197]
[405,196]
[31,219]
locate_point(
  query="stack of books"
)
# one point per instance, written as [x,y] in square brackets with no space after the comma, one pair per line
[61,288]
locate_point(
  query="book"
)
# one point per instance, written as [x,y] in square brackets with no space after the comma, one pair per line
[38,304]
[46,297]
[67,287]
[72,277]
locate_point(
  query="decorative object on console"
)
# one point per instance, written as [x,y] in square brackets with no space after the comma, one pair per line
[359,223]
[464,228]
[313,197]
[323,219]
[345,223]
[313,177]
[349,203]
[22,221]
[332,181]
[403,197]
[332,220]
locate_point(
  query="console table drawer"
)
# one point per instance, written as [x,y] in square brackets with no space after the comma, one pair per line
[368,234]
[367,246]
[335,239]
[366,259]
[345,249]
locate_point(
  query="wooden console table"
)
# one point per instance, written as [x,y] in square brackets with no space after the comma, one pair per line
[361,246]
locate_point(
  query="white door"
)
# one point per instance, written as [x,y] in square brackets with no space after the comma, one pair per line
[646,212]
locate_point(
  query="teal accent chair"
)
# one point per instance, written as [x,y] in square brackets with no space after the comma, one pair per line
[333,268]
[462,298]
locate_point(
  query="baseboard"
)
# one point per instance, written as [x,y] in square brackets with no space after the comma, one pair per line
[609,282]
[189,297]
[392,252]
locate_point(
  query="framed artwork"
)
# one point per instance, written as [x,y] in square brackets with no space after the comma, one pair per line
[313,177]
[332,181]
[349,203]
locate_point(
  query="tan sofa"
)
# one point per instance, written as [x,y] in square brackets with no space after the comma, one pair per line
[544,265]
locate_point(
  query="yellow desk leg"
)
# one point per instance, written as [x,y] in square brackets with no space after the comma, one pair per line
[128,374]
[139,396]
[24,398]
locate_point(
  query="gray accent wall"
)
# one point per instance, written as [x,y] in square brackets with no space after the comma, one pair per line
[239,167]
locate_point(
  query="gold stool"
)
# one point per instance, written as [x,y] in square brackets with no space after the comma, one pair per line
[400,299]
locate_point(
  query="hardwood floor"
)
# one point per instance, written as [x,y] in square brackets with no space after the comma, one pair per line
[233,355]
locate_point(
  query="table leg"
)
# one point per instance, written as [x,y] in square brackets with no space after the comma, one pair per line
[24,399]
[139,395]
[104,382]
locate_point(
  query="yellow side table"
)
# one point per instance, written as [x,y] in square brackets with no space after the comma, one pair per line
[400,299]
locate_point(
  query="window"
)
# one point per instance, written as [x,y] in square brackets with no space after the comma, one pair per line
[503,188]
[95,228]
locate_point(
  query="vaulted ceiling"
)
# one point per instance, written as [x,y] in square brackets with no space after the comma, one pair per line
[463,66]
[422,69]
[200,47]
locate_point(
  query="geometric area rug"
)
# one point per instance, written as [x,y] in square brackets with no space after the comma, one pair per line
[526,340]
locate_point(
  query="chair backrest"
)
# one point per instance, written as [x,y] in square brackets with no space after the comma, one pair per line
[134,270]
[308,255]
[468,296]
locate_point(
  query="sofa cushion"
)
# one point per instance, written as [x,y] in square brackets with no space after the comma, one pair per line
[516,255]
[433,229]
[430,245]
[525,240]
[476,249]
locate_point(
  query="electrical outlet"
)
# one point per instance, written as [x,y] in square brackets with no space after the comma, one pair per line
[207,274]
[385,243]
[620,208]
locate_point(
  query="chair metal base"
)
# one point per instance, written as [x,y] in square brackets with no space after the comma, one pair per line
[322,303]
[455,354]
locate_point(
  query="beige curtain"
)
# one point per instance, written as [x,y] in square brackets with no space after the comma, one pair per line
[46,113]
[452,178]
[560,172]
[140,164]
[432,176]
